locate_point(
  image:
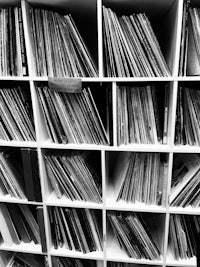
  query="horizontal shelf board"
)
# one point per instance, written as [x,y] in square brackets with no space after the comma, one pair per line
[24,247]
[105,79]
[65,202]
[18,143]
[186,149]
[139,207]
[115,253]
[114,79]
[143,148]
[130,147]
[189,262]
[187,210]
[73,146]
[62,252]
[9,199]
[189,78]
[14,78]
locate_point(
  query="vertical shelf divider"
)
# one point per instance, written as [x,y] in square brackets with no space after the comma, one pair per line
[46,220]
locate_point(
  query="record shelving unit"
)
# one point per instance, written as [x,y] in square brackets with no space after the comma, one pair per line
[166,17]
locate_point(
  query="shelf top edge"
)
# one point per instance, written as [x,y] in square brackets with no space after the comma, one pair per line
[105,79]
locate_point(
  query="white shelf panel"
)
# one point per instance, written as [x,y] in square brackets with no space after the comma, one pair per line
[138,207]
[65,202]
[18,143]
[181,262]
[73,146]
[130,147]
[188,210]
[24,247]
[14,78]
[106,79]
[144,148]
[113,79]
[189,78]
[186,149]
[9,199]
[62,252]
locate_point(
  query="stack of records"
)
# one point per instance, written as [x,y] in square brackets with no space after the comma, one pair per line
[190,41]
[183,232]
[13,61]
[18,224]
[76,230]
[134,235]
[138,115]
[73,176]
[186,54]
[185,188]
[140,178]
[16,121]
[11,179]
[58,47]
[72,117]
[131,47]
[187,129]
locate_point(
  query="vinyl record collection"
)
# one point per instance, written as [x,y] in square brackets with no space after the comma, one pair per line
[75,229]
[16,121]
[72,117]
[189,63]
[72,175]
[138,115]
[187,129]
[134,235]
[99,133]
[13,59]
[183,235]
[18,224]
[185,188]
[131,47]
[19,174]
[140,178]
[11,177]
[58,47]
